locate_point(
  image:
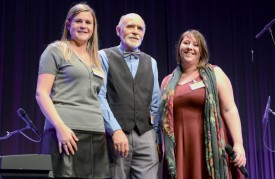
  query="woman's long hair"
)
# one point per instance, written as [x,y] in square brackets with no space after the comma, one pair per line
[92,46]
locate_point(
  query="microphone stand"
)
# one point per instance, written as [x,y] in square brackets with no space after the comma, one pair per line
[267,27]
[9,134]
[265,126]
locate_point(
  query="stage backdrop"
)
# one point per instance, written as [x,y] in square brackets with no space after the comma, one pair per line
[28,26]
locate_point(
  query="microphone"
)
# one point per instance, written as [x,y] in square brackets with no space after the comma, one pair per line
[21,113]
[266,27]
[232,155]
[266,113]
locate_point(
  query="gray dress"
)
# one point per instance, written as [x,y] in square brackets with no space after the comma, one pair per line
[74,95]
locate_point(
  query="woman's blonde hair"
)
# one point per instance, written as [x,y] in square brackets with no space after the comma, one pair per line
[92,46]
[202,46]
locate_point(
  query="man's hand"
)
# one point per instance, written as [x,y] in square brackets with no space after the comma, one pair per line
[121,143]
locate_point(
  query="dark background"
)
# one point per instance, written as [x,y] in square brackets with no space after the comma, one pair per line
[28,26]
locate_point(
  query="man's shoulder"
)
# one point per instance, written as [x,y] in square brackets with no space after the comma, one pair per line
[105,51]
[146,55]
[108,49]
[149,57]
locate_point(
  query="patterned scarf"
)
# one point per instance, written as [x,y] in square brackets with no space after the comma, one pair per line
[213,132]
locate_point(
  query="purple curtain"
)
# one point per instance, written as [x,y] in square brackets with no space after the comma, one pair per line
[27,26]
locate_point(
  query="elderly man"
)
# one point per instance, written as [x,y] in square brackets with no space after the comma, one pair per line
[129,101]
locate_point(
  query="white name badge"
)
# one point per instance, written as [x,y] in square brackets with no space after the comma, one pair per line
[97,72]
[197,85]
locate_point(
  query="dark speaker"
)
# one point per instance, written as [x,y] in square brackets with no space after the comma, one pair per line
[26,166]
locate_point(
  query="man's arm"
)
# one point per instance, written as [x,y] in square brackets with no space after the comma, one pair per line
[155,109]
[111,125]
[155,102]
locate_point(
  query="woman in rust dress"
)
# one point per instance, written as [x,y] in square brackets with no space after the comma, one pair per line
[197,107]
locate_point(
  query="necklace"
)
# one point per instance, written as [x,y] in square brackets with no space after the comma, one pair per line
[188,79]
[90,72]
[84,56]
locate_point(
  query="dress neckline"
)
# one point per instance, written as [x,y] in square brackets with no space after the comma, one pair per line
[194,80]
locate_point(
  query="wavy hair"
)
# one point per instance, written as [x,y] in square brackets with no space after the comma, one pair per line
[202,47]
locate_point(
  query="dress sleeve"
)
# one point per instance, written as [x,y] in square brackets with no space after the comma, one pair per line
[50,60]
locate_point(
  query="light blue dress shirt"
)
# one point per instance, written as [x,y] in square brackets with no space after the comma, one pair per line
[111,123]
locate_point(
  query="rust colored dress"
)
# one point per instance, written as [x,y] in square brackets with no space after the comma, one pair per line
[189,132]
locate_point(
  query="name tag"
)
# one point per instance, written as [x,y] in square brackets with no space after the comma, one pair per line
[97,72]
[197,85]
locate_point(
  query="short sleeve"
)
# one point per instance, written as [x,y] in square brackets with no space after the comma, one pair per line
[50,60]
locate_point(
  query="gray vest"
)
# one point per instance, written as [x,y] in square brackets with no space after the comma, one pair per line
[130,98]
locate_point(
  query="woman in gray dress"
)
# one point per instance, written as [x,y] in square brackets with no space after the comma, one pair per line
[70,77]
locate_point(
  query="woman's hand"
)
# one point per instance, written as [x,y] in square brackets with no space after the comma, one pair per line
[240,159]
[66,140]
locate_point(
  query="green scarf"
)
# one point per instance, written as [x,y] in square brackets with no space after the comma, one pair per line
[213,132]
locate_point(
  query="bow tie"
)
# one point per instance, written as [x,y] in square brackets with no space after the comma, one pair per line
[135,54]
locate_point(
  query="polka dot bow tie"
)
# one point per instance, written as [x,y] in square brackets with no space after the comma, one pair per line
[135,54]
